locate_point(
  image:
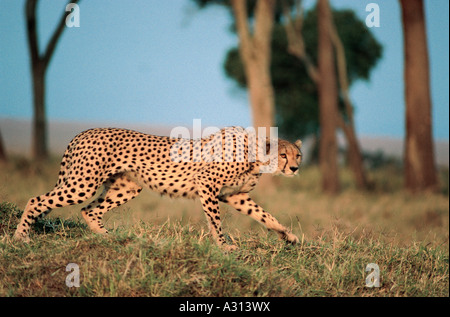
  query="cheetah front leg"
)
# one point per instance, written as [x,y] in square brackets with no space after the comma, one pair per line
[245,205]
[210,203]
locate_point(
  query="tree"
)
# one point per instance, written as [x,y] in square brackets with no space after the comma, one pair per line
[295,75]
[39,66]
[420,170]
[345,121]
[296,102]
[255,53]
[253,23]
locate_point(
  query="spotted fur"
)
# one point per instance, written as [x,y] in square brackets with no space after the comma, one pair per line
[222,167]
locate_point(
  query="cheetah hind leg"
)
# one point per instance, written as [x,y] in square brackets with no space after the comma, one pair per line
[118,189]
[38,207]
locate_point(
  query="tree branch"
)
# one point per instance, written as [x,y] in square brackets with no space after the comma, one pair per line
[55,37]
[342,70]
[30,13]
[296,45]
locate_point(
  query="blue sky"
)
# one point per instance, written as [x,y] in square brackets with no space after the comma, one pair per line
[160,62]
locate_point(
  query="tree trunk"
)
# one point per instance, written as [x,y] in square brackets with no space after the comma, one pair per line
[39,65]
[255,53]
[3,157]
[39,147]
[420,170]
[261,94]
[354,154]
[328,107]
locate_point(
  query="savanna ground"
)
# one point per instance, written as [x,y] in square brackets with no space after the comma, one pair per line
[161,247]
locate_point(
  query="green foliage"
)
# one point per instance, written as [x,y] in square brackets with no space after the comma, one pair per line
[295,94]
[362,50]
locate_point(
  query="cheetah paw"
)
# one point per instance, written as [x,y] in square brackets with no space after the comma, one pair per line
[21,237]
[229,247]
[291,238]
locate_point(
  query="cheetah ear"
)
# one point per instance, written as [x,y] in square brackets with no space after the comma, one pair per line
[298,143]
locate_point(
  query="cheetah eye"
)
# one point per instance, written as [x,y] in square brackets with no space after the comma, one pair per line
[283,155]
[299,156]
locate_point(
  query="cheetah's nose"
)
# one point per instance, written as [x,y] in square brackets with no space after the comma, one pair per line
[294,169]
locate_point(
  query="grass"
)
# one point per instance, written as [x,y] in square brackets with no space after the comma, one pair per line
[168,251]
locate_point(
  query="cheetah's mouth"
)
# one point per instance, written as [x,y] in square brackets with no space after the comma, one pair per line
[288,173]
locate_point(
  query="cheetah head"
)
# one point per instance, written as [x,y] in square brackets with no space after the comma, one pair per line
[289,158]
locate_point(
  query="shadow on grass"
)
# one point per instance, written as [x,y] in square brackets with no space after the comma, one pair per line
[10,216]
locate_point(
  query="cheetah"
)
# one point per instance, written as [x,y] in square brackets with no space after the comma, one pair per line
[223,167]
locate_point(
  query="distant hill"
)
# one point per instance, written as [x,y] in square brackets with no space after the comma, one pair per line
[17,137]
